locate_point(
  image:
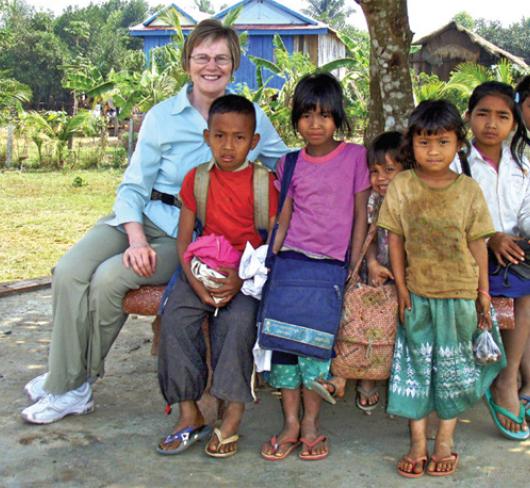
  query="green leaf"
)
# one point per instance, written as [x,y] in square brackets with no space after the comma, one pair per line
[278,43]
[265,63]
[232,16]
[172,18]
[339,63]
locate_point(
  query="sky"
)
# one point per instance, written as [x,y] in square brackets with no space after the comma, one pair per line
[425,16]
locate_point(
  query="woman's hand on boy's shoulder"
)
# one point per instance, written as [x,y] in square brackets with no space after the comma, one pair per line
[229,286]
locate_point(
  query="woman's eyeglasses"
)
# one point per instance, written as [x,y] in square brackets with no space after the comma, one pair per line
[219,59]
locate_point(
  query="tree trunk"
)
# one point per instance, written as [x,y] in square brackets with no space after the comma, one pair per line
[391,97]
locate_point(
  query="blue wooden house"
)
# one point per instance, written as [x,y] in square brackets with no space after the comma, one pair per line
[261,19]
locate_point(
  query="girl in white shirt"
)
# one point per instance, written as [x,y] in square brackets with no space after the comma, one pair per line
[504,176]
[522,98]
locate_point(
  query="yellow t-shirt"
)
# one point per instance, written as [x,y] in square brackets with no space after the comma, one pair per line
[436,224]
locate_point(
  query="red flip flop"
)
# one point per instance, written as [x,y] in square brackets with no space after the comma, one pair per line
[276,447]
[453,458]
[422,461]
[310,445]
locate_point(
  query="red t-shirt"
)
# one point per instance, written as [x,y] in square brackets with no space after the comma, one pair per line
[230,204]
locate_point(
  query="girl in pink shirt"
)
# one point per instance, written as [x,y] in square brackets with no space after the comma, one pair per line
[326,201]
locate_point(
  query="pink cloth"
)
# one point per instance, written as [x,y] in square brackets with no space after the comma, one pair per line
[214,251]
[323,191]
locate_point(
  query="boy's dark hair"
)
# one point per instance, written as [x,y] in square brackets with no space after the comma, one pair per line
[431,117]
[506,92]
[233,104]
[383,144]
[324,90]
[522,90]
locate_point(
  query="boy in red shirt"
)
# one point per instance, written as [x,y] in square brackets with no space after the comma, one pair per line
[182,368]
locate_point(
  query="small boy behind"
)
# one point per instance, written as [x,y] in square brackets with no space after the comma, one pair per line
[383,166]
[182,368]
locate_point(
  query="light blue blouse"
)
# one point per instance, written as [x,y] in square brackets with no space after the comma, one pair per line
[170,144]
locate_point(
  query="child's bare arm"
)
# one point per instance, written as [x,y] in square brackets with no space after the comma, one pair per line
[360,225]
[396,249]
[479,251]
[377,273]
[184,238]
[283,224]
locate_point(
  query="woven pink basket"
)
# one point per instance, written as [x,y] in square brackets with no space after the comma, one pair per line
[365,342]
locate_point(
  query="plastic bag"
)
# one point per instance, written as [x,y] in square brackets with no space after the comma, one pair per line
[485,349]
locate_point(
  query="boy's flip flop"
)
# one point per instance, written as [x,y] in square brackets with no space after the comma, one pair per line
[186,438]
[319,386]
[273,442]
[519,420]
[222,441]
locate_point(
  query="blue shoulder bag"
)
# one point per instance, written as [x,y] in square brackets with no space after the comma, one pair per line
[301,307]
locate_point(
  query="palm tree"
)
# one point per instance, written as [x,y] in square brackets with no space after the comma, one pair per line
[332,12]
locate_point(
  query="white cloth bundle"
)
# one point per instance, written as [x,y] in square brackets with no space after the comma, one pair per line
[253,271]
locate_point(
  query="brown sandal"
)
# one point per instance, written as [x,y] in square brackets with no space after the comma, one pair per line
[221,442]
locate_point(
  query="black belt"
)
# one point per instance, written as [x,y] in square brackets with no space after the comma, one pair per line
[166,198]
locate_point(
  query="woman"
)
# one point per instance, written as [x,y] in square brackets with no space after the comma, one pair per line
[135,245]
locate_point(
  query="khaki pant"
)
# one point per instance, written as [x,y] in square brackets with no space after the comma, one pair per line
[89,283]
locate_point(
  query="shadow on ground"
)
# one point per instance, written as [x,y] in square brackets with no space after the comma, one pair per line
[114,446]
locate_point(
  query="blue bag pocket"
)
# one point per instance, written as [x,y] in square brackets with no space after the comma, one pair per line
[301,309]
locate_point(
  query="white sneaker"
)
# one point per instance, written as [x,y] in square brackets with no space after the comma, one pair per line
[51,408]
[35,388]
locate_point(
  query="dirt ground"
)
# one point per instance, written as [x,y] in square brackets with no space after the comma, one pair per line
[114,446]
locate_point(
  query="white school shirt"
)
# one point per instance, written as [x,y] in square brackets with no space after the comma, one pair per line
[507,192]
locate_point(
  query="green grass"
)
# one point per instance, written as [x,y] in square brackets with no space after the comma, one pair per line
[43,213]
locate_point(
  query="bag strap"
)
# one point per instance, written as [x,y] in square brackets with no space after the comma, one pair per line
[288,171]
[260,184]
[200,190]
[366,244]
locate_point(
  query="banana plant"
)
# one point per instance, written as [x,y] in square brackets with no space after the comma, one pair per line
[57,128]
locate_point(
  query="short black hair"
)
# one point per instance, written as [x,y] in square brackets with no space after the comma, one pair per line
[431,117]
[324,90]
[385,143]
[233,104]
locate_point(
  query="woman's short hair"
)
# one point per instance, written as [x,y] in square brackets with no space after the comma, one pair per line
[212,30]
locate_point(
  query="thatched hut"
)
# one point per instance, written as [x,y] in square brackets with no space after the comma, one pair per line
[444,49]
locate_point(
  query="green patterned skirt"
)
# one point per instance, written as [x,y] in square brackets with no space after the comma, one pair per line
[433,368]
